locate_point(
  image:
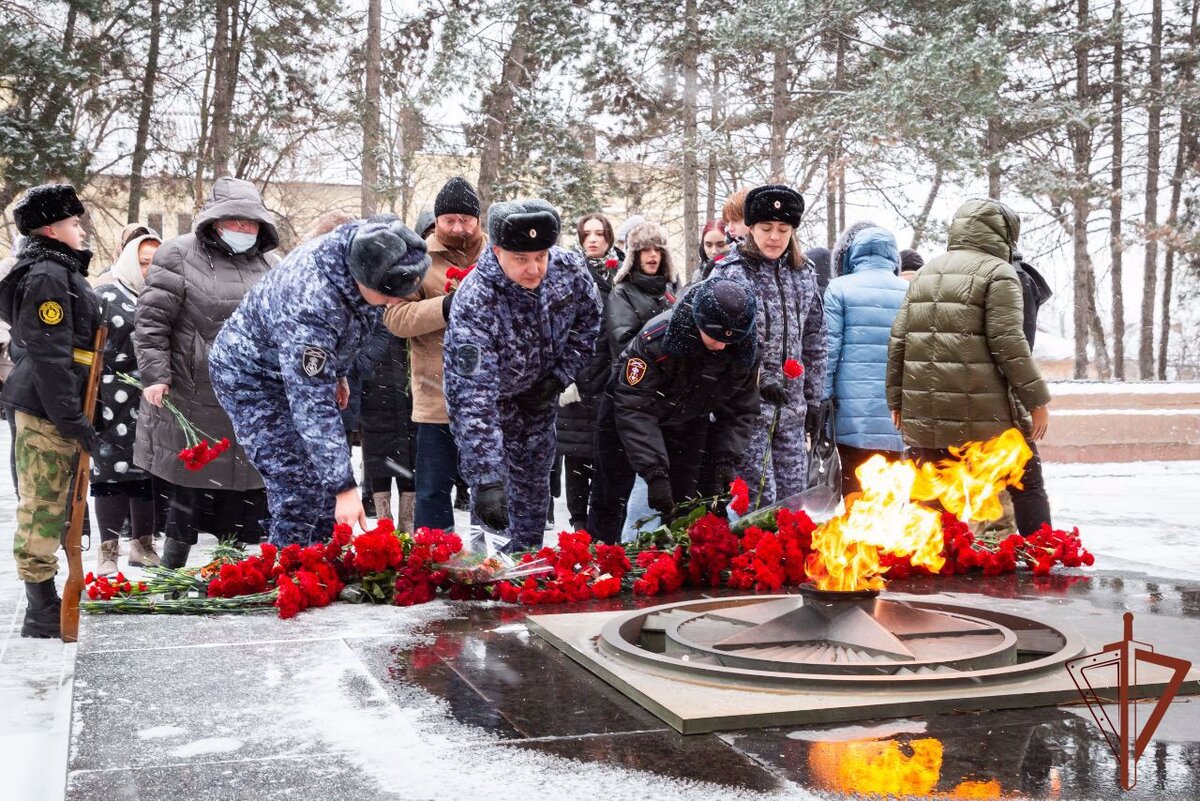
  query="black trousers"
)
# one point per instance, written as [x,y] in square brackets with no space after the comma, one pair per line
[1030,503]
[226,514]
[580,474]
[852,458]
[614,477]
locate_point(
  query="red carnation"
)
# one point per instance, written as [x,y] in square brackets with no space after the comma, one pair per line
[793,369]
[611,264]
[741,496]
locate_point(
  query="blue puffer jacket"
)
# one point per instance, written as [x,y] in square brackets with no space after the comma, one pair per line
[860,306]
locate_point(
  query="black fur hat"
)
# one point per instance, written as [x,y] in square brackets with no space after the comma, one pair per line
[724,308]
[457,197]
[523,226]
[388,257]
[773,203]
[45,205]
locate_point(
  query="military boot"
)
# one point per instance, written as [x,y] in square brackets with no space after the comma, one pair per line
[175,553]
[142,553]
[381,502]
[106,559]
[408,509]
[44,610]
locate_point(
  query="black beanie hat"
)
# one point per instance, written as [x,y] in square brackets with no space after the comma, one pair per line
[910,261]
[457,197]
[773,203]
[523,226]
[45,205]
[724,308]
[388,257]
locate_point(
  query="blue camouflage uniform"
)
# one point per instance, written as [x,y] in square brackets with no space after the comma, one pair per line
[791,325]
[501,340]
[275,366]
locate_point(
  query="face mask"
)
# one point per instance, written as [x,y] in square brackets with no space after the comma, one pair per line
[237,241]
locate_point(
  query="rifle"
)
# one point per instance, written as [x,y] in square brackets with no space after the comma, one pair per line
[69,619]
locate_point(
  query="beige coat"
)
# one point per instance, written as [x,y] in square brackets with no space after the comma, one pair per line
[418,318]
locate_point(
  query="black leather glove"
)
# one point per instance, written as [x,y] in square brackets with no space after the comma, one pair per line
[446,301]
[810,419]
[774,393]
[658,494]
[540,395]
[89,440]
[491,504]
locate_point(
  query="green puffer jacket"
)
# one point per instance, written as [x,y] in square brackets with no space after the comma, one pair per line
[959,367]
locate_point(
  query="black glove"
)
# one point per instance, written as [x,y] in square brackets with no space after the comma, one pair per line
[446,301]
[540,395]
[658,494]
[723,475]
[773,393]
[89,440]
[810,419]
[491,504]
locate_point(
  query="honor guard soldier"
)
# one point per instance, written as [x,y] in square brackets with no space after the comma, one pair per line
[54,314]
[279,367]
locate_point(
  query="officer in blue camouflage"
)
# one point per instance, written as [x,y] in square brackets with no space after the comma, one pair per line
[791,325]
[521,327]
[279,367]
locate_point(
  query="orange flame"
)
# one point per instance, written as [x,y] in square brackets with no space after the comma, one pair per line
[890,769]
[884,519]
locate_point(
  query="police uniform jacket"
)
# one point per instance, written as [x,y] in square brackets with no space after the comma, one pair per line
[667,378]
[54,314]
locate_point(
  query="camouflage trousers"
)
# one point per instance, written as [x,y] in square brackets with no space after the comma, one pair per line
[45,466]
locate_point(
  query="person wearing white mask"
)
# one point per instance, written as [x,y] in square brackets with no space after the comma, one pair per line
[196,282]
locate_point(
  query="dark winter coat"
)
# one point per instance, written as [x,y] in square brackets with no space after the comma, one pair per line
[957,355]
[577,421]
[1034,294]
[112,461]
[54,314]
[860,306]
[667,379]
[195,284]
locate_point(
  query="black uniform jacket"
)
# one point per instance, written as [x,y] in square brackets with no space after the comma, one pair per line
[54,314]
[668,379]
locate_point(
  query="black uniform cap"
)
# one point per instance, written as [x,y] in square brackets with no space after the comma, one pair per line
[46,205]
[388,257]
[724,308]
[523,226]
[773,203]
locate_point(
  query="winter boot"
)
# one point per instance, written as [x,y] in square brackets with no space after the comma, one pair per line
[142,553]
[408,508]
[382,501]
[106,559]
[175,553]
[44,610]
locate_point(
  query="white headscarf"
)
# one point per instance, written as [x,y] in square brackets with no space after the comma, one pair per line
[126,268]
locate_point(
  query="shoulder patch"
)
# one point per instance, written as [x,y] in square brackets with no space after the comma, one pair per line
[466,359]
[313,360]
[50,313]
[635,371]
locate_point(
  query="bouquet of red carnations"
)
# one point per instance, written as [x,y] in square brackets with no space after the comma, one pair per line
[198,451]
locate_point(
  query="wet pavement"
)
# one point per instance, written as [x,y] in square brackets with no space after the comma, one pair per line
[459,687]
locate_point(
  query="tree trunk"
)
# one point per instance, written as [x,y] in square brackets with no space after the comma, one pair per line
[1116,201]
[370,111]
[1081,154]
[714,121]
[922,221]
[133,211]
[1153,156]
[1182,158]
[497,107]
[691,177]
[779,98]
[831,229]
[223,87]
[991,147]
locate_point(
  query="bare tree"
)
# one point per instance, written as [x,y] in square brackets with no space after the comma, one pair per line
[140,152]
[1153,157]
[370,110]
[1116,199]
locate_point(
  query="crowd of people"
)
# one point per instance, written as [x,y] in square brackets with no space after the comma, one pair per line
[488,357]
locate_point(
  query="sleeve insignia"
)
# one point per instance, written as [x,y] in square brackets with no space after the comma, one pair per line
[635,371]
[313,360]
[50,313]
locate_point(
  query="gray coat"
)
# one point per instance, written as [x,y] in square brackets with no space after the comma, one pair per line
[195,283]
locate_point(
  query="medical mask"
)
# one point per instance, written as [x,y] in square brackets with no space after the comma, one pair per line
[238,242]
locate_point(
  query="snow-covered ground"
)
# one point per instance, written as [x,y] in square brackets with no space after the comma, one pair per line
[1135,517]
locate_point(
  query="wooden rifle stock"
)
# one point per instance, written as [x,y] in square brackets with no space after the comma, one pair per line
[69,621]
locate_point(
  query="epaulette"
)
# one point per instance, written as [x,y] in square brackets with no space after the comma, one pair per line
[655,332]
